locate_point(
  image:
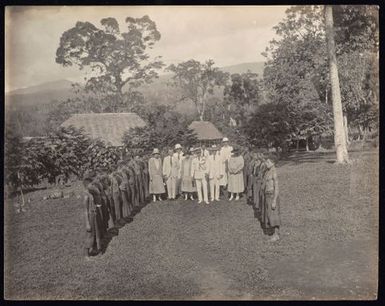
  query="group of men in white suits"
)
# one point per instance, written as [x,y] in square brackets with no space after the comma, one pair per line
[208,169]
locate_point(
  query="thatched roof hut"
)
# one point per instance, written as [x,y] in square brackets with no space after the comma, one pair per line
[109,127]
[205,131]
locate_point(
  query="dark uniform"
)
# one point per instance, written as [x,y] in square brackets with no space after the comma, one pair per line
[94,236]
[124,192]
[135,166]
[106,182]
[133,186]
[258,170]
[270,217]
[115,193]
[146,178]
[246,171]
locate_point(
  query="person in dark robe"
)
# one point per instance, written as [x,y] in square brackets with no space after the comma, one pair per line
[139,178]
[116,180]
[146,177]
[93,219]
[271,218]
[132,182]
[124,191]
[106,183]
[246,170]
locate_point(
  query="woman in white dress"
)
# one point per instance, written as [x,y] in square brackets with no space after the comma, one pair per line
[156,185]
[235,178]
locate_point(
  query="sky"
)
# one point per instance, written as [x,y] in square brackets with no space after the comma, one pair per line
[228,35]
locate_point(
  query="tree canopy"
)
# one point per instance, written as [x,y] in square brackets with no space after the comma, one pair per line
[118,59]
[197,81]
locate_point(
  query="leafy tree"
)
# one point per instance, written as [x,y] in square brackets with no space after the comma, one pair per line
[197,81]
[300,57]
[164,129]
[241,96]
[65,152]
[118,58]
[97,155]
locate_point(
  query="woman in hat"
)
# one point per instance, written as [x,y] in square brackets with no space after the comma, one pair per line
[235,167]
[187,185]
[156,185]
[271,218]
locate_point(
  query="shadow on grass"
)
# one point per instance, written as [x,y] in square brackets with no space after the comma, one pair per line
[112,232]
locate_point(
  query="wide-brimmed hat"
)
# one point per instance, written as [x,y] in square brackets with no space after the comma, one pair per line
[178,146]
[155,151]
[225,139]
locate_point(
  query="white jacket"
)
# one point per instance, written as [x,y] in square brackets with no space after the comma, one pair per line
[167,166]
[215,168]
[177,164]
[199,167]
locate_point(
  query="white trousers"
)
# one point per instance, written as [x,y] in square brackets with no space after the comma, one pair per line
[202,184]
[171,187]
[214,189]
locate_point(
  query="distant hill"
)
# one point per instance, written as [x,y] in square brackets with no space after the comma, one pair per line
[255,67]
[58,90]
[32,104]
[37,95]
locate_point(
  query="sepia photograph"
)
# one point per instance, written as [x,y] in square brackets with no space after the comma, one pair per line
[191,152]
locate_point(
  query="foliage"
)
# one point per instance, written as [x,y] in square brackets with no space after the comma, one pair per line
[242,96]
[117,59]
[32,161]
[296,72]
[164,129]
[97,155]
[197,81]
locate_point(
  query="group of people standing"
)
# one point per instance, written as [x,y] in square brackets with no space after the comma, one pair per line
[200,170]
[112,197]
[215,171]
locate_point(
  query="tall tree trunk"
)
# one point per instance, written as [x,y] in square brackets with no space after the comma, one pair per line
[339,132]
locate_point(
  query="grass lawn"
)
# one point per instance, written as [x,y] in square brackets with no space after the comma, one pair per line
[182,250]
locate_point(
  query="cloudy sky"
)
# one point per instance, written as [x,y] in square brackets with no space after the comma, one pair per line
[228,35]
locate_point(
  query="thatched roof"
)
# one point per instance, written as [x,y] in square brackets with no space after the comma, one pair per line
[109,127]
[205,130]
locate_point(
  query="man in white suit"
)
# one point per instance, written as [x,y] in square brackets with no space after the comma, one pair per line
[177,167]
[225,154]
[199,172]
[170,175]
[216,172]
